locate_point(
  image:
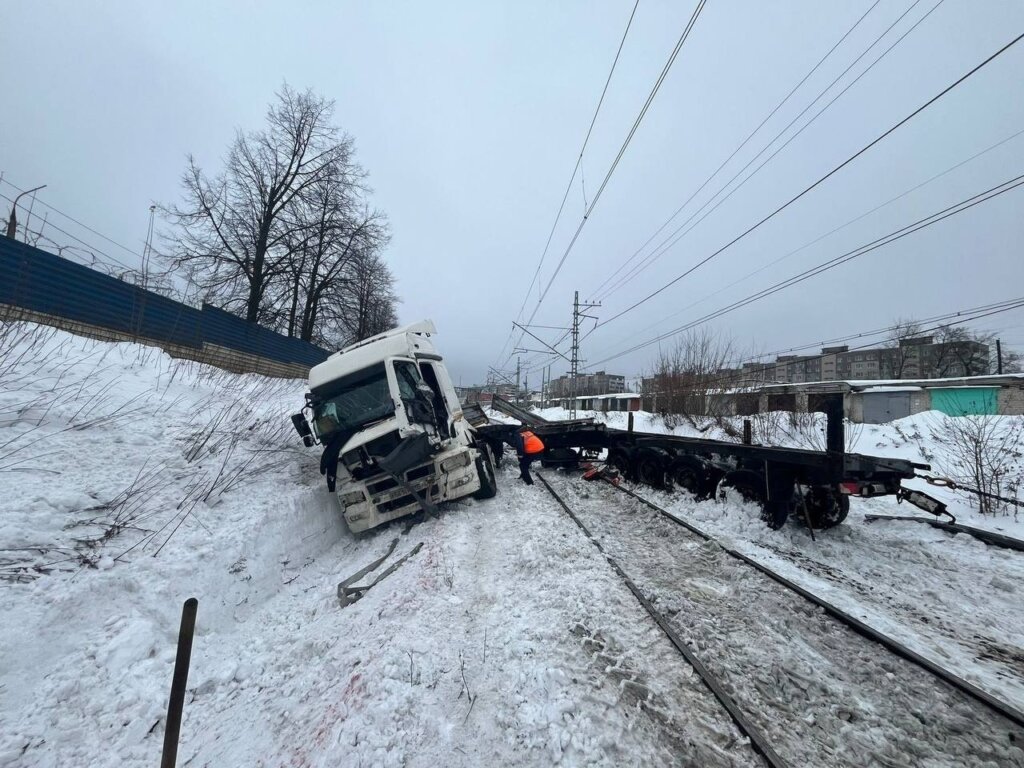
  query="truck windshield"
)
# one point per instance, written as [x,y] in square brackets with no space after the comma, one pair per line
[353,401]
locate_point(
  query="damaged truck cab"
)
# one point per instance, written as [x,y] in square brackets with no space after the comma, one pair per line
[394,435]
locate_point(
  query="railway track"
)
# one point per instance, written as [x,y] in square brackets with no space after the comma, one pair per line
[805,680]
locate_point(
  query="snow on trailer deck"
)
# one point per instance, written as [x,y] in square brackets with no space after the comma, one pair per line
[506,640]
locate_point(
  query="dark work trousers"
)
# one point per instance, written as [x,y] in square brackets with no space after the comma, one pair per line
[524,467]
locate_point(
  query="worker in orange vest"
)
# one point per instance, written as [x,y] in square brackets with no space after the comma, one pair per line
[529,447]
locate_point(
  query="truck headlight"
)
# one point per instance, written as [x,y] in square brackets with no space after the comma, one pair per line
[455,462]
[353,497]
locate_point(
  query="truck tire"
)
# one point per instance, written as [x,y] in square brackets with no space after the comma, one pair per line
[688,475]
[485,471]
[650,467]
[620,460]
[750,486]
[826,507]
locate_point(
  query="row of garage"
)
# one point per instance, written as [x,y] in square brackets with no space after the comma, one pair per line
[877,402]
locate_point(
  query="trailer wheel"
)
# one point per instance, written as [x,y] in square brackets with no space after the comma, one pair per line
[689,476]
[619,460]
[750,486]
[825,507]
[485,471]
[650,469]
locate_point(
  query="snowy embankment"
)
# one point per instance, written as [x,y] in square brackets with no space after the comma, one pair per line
[952,598]
[132,481]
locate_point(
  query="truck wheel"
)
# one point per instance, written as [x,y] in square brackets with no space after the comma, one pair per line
[689,476]
[750,487]
[825,507]
[650,469]
[485,471]
[619,460]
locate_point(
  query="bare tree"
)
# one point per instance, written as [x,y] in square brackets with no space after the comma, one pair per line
[370,302]
[688,379]
[1013,361]
[231,232]
[960,352]
[331,229]
[895,364]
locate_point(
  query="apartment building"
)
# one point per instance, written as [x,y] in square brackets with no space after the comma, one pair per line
[599,383]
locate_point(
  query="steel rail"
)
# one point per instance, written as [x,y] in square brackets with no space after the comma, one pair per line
[758,741]
[1003,708]
[989,537]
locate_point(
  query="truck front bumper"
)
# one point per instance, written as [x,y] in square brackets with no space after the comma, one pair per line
[449,475]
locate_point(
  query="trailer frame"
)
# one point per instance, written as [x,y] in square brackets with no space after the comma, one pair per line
[816,485]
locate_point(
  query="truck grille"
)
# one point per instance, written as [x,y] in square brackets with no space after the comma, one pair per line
[404,501]
[387,483]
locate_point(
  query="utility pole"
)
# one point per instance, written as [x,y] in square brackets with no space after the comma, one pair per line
[999,357]
[518,368]
[574,363]
[12,223]
[147,250]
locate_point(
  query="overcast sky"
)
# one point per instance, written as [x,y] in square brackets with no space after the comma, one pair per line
[469,118]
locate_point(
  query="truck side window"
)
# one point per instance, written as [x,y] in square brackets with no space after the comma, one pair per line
[408,377]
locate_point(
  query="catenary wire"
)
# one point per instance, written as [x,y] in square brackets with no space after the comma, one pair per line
[597,292]
[831,232]
[622,150]
[843,258]
[575,170]
[963,78]
[703,211]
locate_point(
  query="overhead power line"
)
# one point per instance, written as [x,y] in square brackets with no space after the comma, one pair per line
[83,226]
[704,211]
[892,237]
[622,150]
[833,231]
[963,78]
[572,178]
[89,246]
[786,98]
[962,316]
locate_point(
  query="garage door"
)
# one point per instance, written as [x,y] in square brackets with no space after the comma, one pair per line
[965,401]
[880,407]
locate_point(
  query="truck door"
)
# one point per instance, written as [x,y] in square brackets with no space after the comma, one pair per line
[409,381]
[432,378]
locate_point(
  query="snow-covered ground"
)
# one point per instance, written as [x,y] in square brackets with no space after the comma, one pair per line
[132,481]
[505,641]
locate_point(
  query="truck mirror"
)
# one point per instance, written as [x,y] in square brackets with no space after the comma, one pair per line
[302,427]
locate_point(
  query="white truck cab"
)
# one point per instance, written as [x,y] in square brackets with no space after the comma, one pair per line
[394,435]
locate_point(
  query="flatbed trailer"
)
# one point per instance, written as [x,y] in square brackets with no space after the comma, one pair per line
[813,485]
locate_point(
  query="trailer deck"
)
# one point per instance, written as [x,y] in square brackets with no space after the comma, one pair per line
[814,484]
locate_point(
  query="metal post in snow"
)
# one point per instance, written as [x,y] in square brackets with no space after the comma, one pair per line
[179,681]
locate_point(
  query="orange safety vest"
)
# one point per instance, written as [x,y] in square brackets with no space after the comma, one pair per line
[531,443]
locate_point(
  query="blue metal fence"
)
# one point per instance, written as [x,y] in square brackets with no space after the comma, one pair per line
[33,279]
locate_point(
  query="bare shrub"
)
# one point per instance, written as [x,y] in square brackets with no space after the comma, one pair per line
[768,428]
[982,452]
[807,430]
